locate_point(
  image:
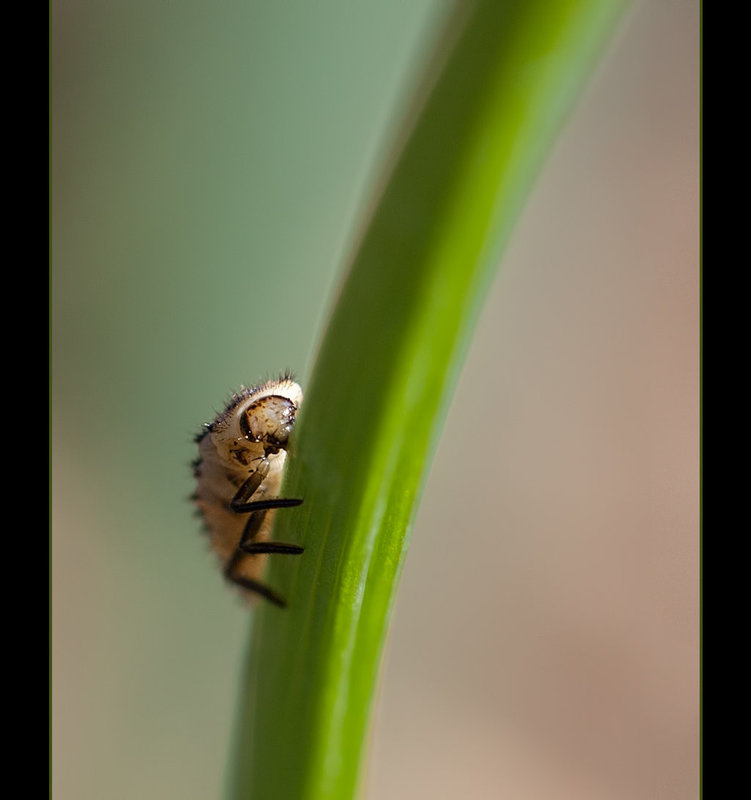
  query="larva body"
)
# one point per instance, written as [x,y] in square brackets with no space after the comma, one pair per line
[238,474]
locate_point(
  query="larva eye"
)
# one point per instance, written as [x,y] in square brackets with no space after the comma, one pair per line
[269,420]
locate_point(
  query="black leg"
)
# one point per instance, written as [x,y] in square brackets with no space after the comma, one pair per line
[259,588]
[271,547]
[250,487]
[250,531]
[249,584]
[262,505]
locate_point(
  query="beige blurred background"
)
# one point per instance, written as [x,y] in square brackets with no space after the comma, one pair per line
[206,170]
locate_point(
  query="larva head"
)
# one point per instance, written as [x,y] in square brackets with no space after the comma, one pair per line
[257,420]
[265,415]
[268,420]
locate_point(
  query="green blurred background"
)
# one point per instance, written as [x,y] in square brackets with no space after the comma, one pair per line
[209,165]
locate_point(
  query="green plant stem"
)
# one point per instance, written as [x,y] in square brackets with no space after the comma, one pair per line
[500,85]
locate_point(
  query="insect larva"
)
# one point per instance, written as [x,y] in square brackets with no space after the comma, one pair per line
[238,472]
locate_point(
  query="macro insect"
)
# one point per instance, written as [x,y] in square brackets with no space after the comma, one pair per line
[238,472]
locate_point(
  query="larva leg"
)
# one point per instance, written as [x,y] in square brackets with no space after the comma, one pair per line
[261,505]
[249,584]
[256,548]
[247,545]
[250,487]
[259,588]
[241,502]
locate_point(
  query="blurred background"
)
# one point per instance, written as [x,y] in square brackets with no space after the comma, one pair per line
[208,164]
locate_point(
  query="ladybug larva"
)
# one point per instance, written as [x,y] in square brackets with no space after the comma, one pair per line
[238,472]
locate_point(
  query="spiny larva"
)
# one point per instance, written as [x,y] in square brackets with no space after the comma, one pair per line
[241,456]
